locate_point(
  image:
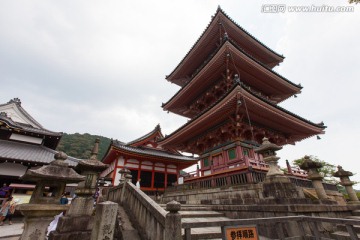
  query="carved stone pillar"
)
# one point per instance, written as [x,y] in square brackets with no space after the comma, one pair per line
[312,168]
[345,181]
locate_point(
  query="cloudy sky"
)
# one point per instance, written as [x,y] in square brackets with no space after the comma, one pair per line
[99,66]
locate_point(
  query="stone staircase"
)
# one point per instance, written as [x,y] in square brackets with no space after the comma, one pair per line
[197,213]
[342,233]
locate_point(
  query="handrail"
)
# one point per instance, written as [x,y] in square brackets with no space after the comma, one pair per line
[157,223]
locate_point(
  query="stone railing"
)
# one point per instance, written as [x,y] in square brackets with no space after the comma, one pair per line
[239,178]
[156,222]
[303,227]
[220,181]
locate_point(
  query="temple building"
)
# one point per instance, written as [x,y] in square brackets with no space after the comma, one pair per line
[230,93]
[157,167]
[24,143]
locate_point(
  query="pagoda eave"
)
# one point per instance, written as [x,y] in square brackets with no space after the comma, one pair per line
[263,115]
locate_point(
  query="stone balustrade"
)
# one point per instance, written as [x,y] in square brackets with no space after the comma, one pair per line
[159,223]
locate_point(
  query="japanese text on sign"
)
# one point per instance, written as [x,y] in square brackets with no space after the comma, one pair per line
[241,232]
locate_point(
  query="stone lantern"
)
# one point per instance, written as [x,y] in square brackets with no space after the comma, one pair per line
[313,174]
[268,151]
[45,200]
[276,185]
[77,224]
[345,181]
[91,169]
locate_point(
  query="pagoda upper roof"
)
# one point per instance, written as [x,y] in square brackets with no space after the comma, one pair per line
[253,73]
[260,111]
[14,116]
[222,24]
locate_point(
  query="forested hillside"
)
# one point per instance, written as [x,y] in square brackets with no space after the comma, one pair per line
[80,145]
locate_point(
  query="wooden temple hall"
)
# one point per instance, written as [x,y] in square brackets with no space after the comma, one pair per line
[157,167]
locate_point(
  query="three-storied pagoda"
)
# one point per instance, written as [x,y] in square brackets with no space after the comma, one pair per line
[231,94]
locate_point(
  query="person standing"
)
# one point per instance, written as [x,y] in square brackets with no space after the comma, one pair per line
[138,183]
[63,199]
[11,211]
[4,210]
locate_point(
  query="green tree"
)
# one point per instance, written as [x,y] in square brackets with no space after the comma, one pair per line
[326,171]
[80,145]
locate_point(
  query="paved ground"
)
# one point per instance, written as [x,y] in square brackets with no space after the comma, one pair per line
[12,232]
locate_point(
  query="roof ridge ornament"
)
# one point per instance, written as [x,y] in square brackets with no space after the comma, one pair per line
[237,79]
[16,101]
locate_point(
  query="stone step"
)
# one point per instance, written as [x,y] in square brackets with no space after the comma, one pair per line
[353,217]
[356,213]
[198,214]
[188,207]
[340,235]
[205,232]
[342,228]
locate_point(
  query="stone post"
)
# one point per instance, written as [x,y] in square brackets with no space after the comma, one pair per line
[345,181]
[127,178]
[173,221]
[105,218]
[312,168]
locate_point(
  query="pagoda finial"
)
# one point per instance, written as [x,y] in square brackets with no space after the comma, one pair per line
[95,150]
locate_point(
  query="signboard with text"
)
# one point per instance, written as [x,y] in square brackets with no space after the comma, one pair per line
[241,232]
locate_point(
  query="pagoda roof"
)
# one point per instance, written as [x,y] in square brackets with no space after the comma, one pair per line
[145,152]
[260,111]
[14,116]
[30,153]
[208,41]
[152,135]
[256,75]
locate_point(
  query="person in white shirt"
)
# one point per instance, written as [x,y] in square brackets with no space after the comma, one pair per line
[138,183]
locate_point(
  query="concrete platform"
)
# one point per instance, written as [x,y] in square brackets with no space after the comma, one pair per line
[12,232]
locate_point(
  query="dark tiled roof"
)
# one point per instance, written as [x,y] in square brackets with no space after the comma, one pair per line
[11,150]
[236,84]
[27,127]
[157,128]
[152,152]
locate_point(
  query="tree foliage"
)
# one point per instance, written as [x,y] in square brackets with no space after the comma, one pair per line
[326,171]
[80,145]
